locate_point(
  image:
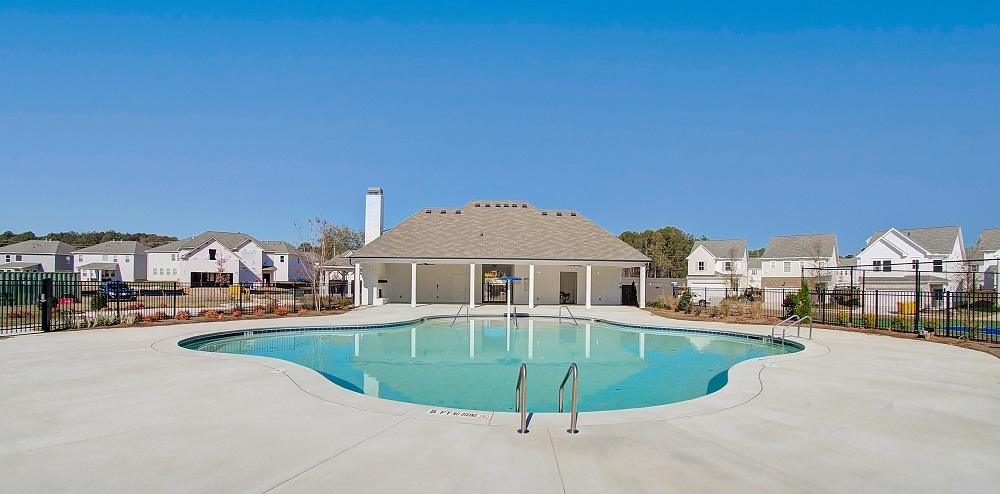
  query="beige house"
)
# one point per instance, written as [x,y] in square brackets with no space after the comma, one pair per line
[462,255]
[789,259]
[718,265]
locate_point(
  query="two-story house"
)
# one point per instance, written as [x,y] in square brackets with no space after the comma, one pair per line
[892,258]
[115,260]
[790,259]
[44,255]
[228,257]
[988,252]
[718,266]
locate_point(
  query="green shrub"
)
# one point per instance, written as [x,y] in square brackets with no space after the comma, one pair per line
[843,318]
[803,302]
[684,303]
[98,302]
[868,320]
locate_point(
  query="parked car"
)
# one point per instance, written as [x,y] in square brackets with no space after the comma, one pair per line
[698,299]
[116,290]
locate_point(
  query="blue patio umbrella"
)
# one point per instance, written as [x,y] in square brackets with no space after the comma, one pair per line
[508,279]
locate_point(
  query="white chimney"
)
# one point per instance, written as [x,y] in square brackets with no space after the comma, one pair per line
[374,213]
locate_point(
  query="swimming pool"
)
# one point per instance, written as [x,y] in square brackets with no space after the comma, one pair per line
[474,364]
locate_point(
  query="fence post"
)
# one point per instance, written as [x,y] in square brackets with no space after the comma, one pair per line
[877,318]
[947,313]
[293,299]
[175,299]
[46,304]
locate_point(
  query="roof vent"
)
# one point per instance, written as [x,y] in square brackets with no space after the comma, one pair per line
[497,205]
[487,204]
[427,211]
[477,204]
[443,211]
[558,213]
[545,213]
[572,214]
[524,205]
[458,211]
[506,205]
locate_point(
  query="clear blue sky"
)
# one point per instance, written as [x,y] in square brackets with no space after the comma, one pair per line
[730,121]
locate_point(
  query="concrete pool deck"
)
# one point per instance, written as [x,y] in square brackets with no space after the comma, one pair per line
[125,410]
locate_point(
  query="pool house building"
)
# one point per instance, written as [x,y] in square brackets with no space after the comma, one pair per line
[468,255]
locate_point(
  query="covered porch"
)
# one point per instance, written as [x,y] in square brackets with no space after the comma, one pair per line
[478,282]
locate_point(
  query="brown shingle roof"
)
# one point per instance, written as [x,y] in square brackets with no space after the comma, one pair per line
[939,240]
[721,249]
[499,230]
[989,241]
[115,247]
[38,247]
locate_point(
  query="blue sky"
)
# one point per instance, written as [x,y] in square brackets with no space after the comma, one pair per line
[730,121]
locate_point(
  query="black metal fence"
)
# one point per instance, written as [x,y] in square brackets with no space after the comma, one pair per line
[74,304]
[973,315]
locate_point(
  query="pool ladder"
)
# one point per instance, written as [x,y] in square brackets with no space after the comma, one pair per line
[561,307]
[467,315]
[521,397]
[787,322]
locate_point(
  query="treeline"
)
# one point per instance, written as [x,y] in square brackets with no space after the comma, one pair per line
[668,247]
[86,239]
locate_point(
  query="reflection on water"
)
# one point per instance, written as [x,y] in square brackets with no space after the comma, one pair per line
[475,367]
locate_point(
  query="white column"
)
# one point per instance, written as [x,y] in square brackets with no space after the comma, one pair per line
[472,285]
[413,342]
[472,338]
[589,278]
[531,286]
[642,287]
[357,285]
[413,284]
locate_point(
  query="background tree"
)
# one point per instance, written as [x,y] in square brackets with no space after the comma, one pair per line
[667,247]
[756,252]
[320,241]
[87,239]
[803,302]
[816,253]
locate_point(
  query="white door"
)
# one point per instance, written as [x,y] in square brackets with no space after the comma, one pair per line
[459,288]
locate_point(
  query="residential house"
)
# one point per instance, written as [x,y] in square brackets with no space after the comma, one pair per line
[790,259]
[229,257]
[43,255]
[472,254]
[754,272]
[116,260]
[719,266]
[988,253]
[893,259]
[847,275]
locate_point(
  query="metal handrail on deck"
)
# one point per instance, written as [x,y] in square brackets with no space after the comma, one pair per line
[467,315]
[514,315]
[788,321]
[561,307]
[576,381]
[521,398]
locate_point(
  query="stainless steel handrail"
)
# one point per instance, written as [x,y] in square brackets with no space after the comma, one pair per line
[521,398]
[467,315]
[561,307]
[576,382]
[798,324]
[789,320]
[513,315]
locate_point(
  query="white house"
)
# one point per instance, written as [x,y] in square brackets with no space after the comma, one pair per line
[890,259]
[847,274]
[460,255]
[237,257]
[789,259]
[44,255]
[117,260]
[754,272]
[988,251]
[717,265]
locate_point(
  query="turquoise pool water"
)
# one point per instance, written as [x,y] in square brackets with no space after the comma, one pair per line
[474,364]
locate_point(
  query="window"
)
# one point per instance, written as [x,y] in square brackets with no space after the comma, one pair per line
[787,266]
[17,257]
[115,258]
[729,266]
[772,264]
[701,265]
[126,259]
[885,265]
[79,258]
[173,257]
[822,264]
[175,271]
[211,254]
[916,264]
[938,266]
[8,258]
[281,258]
[104,257]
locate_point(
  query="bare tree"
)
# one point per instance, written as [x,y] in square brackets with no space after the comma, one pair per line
[320,241]
[967,273]
[815,253]
[221,276]
[733,275]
